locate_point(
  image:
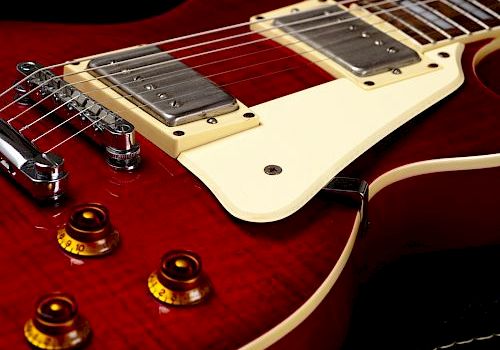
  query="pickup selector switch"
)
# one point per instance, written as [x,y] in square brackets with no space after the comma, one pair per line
[88,231]
[180,279]
[57,324]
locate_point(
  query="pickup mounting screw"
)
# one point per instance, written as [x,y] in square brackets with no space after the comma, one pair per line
[178,133]
[396,71]
[212,121]
[248,115]
[444,54]
[273,169]
[175,104]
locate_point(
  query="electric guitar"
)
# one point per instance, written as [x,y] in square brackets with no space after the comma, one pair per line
[223,175]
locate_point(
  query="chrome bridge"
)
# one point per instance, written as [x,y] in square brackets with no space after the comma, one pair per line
[41,174]
[101,125]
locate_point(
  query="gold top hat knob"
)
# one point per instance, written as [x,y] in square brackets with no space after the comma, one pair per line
[57,324]
[180,279]
[88,231]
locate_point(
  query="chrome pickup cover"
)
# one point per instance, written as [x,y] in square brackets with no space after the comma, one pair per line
[352,43]
[162,86]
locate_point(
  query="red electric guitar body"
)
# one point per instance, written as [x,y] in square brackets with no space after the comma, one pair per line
[260,273]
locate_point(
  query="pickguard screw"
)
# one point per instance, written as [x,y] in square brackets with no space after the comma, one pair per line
[295,10]
[175,104]
[396,71]
[248,115]
[433,65]
[273,169]
[178,133]
[444,54]
[212,121]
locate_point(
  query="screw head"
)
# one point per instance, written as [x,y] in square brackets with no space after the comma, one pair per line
[178,133]
[212,121]
[273,169]
[248,115]
[396,71]
[443,54]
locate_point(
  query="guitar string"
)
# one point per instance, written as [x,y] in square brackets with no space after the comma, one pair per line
[196,55]
[175,50]
[134,108]
[151,80]
[307,63]
[173,85]
[171,61]
[69,119]
[160,43]
[25,95]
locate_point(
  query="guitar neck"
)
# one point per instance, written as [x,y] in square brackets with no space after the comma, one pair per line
[432,23]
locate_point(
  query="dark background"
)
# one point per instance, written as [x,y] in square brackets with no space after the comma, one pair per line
[90,11]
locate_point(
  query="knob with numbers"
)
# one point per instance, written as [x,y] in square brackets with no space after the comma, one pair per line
[88,231]
[57,325]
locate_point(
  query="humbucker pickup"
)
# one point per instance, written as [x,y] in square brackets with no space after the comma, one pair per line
[162,86]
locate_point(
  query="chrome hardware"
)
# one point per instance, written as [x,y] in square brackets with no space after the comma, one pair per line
[185,95]
[41,174]
[109,130]
[352,39]
[353,190]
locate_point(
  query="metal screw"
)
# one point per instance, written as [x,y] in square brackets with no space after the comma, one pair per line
[178,133]
[295,10]
[443,54]
[369,83]
[175,104]
[212,121]
[391,50]
[273,169]
[249,115]
[27,66]
[433,65]
[396,71]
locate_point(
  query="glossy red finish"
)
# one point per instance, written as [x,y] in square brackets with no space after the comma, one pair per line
[260,273]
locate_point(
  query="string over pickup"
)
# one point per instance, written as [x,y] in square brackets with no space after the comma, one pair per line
[41,174]
[100,124]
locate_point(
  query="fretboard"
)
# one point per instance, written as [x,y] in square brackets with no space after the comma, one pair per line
[431,21]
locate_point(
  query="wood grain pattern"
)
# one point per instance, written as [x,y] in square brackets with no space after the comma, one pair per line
[260,272]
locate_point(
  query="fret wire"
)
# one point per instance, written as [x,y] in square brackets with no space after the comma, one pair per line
[466,14]
[428,23]
[410,26]
[446,18]
[485,9]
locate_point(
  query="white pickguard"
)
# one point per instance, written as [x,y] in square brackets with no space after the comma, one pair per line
[312,135]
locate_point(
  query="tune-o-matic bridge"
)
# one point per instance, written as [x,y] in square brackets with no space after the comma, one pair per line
[103,126]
